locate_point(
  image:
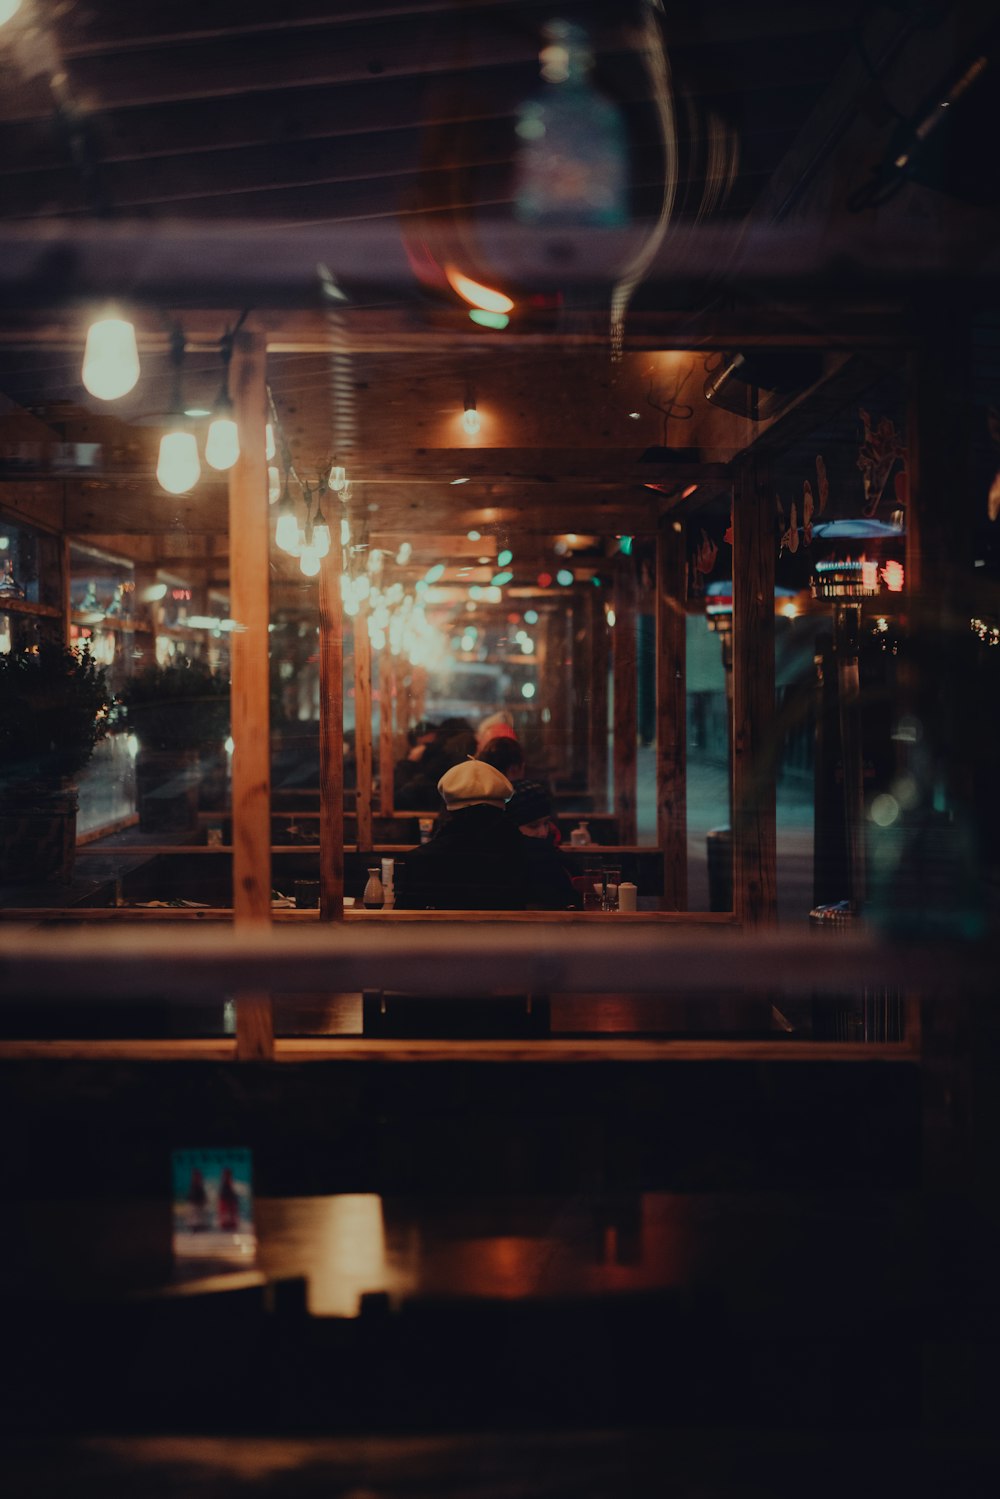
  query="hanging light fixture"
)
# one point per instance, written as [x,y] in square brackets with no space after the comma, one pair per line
[321,527]
[222,446]
[110,359]
[338,477]
[177,468]
[470,416]
[286,532]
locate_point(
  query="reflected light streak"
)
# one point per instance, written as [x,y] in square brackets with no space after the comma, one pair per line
[477,295]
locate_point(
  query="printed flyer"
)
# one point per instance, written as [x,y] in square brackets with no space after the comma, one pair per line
[213,1205]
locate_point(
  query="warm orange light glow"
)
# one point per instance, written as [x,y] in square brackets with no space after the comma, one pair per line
[869,575]
[478,296]
[894,576]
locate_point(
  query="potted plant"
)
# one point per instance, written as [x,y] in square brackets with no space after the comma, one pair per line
[54,706]
[180,717]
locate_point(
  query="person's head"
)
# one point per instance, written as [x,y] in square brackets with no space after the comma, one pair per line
[472,783]
[505,755]
[497,726]
[530,809]
[422,733]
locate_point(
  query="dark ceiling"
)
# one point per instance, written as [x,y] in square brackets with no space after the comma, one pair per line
[316,112]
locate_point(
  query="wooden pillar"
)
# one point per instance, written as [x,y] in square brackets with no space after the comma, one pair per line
[363,726]
[418,692]
[404,707]
[580,618]
[626,700]
[249,540]
[331,734]
[556,691]
[671,709]
[386,757]
[754,755]
[597,722]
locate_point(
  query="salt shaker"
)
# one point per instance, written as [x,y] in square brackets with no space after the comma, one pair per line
[580,836]
[627,896]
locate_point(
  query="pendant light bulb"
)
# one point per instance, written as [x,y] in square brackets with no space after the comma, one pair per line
[269,448]
[287,533]
[178,468]
[338,478]
[222,446]
[309,560]
[110,359]
[470,420]
[321,538]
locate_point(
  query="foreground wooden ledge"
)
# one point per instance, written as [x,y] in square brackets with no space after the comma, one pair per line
[196,964]
[548,1050]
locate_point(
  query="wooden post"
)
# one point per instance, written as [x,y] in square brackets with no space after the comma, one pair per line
[249,537]
[418,692]
[363,726]
[597,723]
[626,703]
[671,709]
[386,758]
[404,707]
[556,691]
[754,792]
[580,617]
[331,734]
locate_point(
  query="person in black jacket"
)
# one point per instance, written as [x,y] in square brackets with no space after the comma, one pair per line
[530,811]
[477,859]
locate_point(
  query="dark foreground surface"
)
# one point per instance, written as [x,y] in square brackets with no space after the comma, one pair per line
[696,1278]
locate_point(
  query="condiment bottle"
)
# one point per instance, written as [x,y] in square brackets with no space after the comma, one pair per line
[580,836]
[374,896]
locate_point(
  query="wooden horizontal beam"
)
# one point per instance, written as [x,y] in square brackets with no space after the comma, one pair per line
[478,955]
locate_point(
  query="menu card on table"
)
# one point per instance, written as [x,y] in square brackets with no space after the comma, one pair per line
[213,1205]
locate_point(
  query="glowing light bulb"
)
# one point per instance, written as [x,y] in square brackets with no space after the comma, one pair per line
[404,554]
[531,616]
[178,468]
[505,557]
[273,485]
[111,358]
[269,448]
[287,532]
[470,420]
[345,533]
[528,690]
[222,447]
[434,573]
[321,539]
[309,561]
[338,478]
[564,577]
